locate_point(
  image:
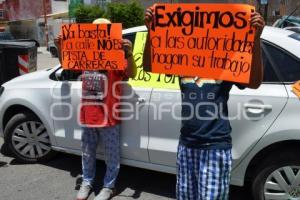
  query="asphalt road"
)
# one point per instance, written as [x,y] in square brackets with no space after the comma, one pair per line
[59,179]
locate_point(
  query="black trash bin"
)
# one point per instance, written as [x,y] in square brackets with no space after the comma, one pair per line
[17,58]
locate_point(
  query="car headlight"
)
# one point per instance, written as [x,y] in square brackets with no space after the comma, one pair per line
[1,90]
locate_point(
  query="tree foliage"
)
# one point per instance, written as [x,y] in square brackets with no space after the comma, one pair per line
[88,13]
[129,14]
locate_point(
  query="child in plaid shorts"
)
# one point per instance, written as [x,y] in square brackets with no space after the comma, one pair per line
[204,151]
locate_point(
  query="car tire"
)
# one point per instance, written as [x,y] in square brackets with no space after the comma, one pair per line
[28,139]
[53,52]
[275,171]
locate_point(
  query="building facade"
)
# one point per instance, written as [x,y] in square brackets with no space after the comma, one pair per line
[59,6]
[26,18]
[3,16]
[26,9]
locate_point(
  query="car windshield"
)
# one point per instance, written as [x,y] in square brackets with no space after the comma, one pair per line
[290,19]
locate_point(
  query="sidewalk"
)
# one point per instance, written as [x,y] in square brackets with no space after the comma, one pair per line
[45,60]
[43,50]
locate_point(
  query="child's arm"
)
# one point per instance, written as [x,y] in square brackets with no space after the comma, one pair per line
[57,42]
[131,65]
[148,20]
[256,74]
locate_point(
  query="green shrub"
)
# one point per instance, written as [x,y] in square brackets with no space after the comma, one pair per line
[88,13]
[73,4]
[129,14]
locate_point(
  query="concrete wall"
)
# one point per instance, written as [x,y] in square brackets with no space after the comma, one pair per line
[277,8]
[25,9]
[99,2]
[59,6]
[285,7]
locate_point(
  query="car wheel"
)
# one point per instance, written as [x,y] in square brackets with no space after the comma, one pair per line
[28,138]
[53,52]
[278,177]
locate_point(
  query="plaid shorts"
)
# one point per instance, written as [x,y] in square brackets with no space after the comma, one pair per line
[203,174]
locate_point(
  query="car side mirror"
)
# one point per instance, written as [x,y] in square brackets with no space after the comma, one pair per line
[59,75]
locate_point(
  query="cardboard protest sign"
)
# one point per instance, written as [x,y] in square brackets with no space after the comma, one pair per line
[146,79]
[296,88]
[92,47]
[207,40]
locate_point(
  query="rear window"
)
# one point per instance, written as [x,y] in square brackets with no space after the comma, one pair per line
[270,75]
[130,36]
[285,64]
[295,36]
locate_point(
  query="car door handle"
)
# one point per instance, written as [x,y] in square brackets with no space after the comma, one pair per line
[257,106]
[140,100]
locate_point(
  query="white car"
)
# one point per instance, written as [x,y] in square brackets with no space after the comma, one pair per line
[39,112]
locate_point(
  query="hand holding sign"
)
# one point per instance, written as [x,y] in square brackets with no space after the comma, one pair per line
[208,40]
[149,17]
[127,46]
[258,23]
[92,47]
[296,88]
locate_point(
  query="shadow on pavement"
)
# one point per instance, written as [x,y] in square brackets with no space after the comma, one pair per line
[239,193]
[138,180]
[3,164]
[61,161]
[5,150]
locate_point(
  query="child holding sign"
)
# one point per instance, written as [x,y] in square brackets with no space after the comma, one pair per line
[204,151]
[100,120]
